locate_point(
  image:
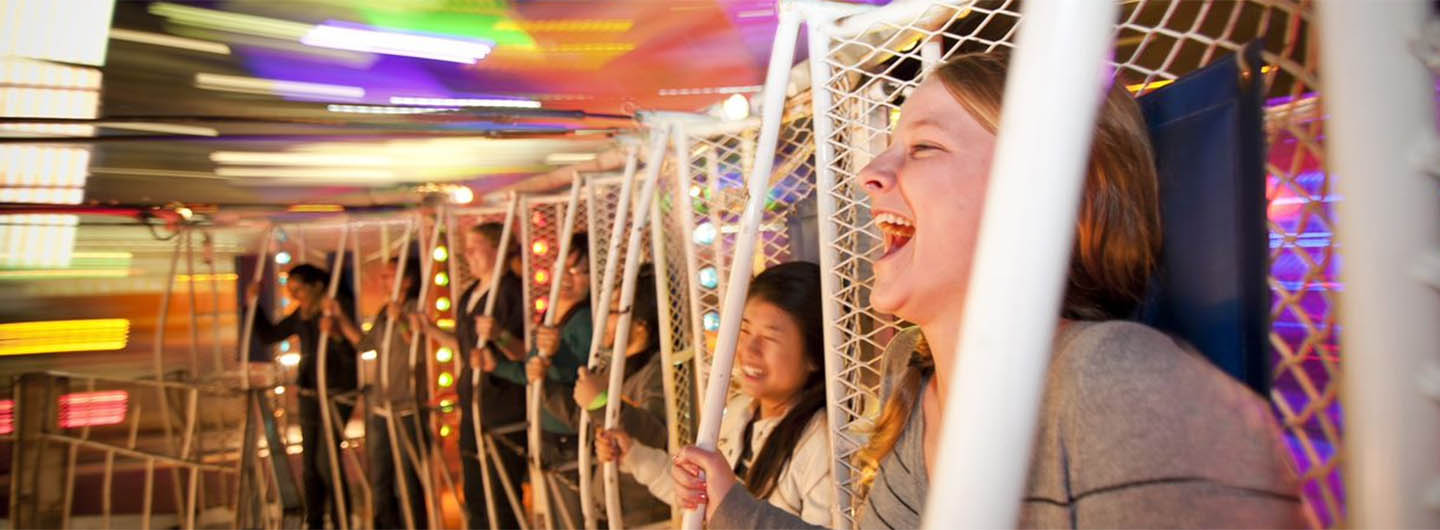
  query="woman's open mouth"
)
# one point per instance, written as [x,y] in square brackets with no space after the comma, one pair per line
[897,231]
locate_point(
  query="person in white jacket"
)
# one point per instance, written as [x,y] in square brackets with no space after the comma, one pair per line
[774,433]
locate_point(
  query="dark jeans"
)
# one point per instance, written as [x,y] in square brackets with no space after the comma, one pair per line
[504,403]
[315,464]
[383,476]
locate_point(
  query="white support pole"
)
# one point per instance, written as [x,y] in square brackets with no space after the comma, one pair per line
[565,516]
[777,80]
[359,260]
[1382,121]
[1012,307]
[427,266]
[159,359]
[208,255]
[820,97]
[537,387]
[401,480]
[194,326]
[252,306]
[505,484]
[497,271]
[187,445]
[667,323]
[147,502]
[454,241]
[529,206]
[327,423]
[592,227]
[692,262]
[655,158]
[602,314]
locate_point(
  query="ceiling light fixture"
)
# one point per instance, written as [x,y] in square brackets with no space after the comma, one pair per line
[467,102]
[262,158]
[343,36]
[741,89]
[169,128]
[169,41]
[251,85]
[736,107]
[232,22]
[381,109]
[318,174]
[557,159]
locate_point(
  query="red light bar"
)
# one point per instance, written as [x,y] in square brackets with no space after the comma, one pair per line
[83,409]
[7,416]
[88,409]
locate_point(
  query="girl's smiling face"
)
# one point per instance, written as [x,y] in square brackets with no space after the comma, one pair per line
[927,192]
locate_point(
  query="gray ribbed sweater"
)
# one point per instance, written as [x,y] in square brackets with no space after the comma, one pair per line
[1134,432]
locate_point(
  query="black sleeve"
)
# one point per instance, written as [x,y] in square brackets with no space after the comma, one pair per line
[510,307]
[338,341]
[268,332]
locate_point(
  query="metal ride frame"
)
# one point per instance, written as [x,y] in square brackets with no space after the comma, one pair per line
[404,450]
[487,450]
[857,79]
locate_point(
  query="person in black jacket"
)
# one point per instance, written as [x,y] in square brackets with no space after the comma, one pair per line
[505,334]
[306,285]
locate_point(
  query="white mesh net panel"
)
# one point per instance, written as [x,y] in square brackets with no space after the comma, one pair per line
[603,195]
[873,68]
[719,160]
[542,218]
[668,238]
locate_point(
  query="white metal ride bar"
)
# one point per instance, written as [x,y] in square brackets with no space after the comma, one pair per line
[818,37]
[188,236]
[497,271]
[327,423]
[1012,307]
[427,266]
[654,159]
[537,387]
[602,314]
[777,79]
[402,481]
[682,182]
[159,360]
[253,306]
[1382,120]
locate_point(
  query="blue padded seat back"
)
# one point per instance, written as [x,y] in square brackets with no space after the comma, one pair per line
[1210,289]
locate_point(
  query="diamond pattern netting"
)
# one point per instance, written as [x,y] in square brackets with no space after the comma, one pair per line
[675,316]
[718,166]
[874,68]
[543,217]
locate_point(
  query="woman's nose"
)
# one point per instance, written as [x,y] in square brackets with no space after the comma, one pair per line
[879,175]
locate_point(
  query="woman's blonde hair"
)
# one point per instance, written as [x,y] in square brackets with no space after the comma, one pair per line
[1117,231]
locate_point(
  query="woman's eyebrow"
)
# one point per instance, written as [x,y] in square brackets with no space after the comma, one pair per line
[931,123]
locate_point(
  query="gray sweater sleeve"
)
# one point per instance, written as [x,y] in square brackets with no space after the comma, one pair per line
[740,509]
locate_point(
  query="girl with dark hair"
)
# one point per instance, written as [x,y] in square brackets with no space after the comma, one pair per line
[774,433]
[397,389]
[559,351]
[642,410]
[1134,430]
[313,314]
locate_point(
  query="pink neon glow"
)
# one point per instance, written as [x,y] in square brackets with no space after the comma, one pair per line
[88,409]
[7,416]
